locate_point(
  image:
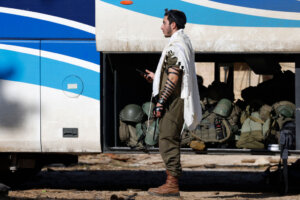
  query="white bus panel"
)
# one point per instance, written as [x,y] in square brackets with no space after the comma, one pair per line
[213,26]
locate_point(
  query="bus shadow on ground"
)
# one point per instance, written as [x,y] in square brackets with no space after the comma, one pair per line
[139,179]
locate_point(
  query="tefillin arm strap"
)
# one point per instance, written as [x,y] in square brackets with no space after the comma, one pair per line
[169,86]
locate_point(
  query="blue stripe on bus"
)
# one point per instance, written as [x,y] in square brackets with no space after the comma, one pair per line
[68,48]
[78,10]
[53,74]
[197,14]
[19,67]
[26,68]
[74,49]
[26,27]
[274,5]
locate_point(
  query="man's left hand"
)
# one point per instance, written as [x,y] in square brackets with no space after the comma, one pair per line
[158,110]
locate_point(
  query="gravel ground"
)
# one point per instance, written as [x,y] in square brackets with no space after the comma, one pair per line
[128,176]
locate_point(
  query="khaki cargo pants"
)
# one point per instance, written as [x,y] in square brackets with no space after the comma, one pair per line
[169,137]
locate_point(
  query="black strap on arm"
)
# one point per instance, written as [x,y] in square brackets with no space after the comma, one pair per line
[169,86]
[167,91]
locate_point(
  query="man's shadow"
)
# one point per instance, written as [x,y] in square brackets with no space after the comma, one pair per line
[11,112]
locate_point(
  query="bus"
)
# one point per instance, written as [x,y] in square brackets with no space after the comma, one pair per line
[67,68]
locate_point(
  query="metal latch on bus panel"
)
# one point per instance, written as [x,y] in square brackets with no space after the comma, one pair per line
[70,132]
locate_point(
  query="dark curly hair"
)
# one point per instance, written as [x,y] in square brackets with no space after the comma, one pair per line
[176,16]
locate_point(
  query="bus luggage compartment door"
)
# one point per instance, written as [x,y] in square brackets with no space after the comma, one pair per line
[70,96]
[20,96]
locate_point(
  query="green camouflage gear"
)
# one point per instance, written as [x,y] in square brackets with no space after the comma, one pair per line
[133,138]
[139,129]
[132,113]
[212,129]
[148,108]
[215,129]
[152,133]
[223,108]
[252,133]
[128,135]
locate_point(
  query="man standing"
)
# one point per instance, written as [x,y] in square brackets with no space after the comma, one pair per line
[175,86]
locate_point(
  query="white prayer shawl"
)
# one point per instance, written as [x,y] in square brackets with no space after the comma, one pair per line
[181,46]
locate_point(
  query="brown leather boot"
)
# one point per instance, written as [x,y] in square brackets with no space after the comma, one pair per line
[170,188]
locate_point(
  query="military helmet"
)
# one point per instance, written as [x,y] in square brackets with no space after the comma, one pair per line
[152,133]
[223,108]
[147,108]
[285,111]
[132,113]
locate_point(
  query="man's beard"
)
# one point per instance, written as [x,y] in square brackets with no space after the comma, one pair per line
[168,33]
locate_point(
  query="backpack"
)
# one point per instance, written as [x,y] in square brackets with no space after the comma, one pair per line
[129,135]
[217,127]
[212,129]
[264,127]
[282,113]
[252,132]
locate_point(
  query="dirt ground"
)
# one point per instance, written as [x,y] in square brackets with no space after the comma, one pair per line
[142,195]
[127,176]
